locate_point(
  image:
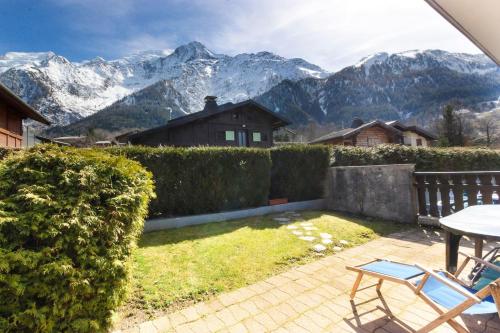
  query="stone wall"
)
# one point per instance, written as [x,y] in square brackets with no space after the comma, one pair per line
[381,191]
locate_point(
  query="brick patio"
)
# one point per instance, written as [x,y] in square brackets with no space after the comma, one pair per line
[314,297]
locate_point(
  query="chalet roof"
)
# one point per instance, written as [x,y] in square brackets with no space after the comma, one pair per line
[280,121]
[349,132]
[413,128]
[20,106]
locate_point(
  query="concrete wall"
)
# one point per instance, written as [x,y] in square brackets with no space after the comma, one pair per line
[381,191]
[184,221]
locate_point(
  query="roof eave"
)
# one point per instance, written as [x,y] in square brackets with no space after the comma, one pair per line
[21,106]
[444,13]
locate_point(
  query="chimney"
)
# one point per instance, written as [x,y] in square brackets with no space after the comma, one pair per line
[356,122]
[210,103]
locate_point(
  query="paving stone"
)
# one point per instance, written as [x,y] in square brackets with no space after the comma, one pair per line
[307,238]
[319,247]
[326,241]
[282,219]
[306,224]
[325,235]
[162,324]
[344,242]
[297,233]
[310,228]
[314,297]
[292,227]
[213,323]
[238,328]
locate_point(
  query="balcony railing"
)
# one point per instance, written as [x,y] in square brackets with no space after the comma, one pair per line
[443,193]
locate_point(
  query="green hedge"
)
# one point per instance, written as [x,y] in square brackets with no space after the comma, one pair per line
[299,171]
[204,179]
[3,152]
[68,221]
[425,159]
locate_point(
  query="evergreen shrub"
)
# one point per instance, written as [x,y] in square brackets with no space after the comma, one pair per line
[68,221]
[298,171]
[204,179]
[425,159]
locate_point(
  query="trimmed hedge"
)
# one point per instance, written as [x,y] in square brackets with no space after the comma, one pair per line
[425,159]
[68,222]
[299,171]
[204,179]
[3,152]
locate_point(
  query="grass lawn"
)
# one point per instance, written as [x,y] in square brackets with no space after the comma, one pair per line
[176,267]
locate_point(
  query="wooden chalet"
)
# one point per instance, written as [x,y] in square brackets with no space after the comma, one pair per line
[375,133]
[362,134]
[244,124]
[13,111]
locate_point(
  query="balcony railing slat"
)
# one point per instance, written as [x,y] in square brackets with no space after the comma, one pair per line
[456,190]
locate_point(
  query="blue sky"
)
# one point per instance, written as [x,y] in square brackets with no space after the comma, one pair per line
[330,33]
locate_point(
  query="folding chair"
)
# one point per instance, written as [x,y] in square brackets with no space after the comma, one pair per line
[443,291]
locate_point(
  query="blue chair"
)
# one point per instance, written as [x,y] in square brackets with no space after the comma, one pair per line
[443,291]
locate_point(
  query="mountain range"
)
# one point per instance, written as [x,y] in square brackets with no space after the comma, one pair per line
[149,88]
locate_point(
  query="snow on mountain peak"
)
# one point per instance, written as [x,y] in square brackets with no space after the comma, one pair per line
[192,51]
[65,91]
[424,59]
[16,59]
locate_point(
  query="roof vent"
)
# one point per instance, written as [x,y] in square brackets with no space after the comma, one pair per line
[210,103]
[356,122]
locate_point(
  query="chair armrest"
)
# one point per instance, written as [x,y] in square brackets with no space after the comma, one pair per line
[482,261]
[450,284]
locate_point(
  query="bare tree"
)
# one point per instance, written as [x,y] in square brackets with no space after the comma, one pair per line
[489,127]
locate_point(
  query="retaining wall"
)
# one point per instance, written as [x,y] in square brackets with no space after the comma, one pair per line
[381,191]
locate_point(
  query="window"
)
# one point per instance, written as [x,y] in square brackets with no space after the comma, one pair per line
[419,142]
[256,137]
[229,135]
[373,141]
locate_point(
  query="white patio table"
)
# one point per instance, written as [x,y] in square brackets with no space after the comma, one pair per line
[478,222]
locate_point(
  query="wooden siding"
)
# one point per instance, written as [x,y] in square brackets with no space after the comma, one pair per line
[11,127]
[210,131]
[372,136]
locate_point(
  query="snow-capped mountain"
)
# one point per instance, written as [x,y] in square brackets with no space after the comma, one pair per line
[413,84]
[146,108]
[66,91]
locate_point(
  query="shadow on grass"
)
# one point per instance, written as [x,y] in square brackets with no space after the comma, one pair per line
[172,236]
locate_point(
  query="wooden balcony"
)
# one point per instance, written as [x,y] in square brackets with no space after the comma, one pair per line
[443,193]
[10,139]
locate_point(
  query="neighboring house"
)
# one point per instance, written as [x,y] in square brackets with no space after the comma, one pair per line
[375,133]
[13,111]
[413,135]
[362,134]
[244,124]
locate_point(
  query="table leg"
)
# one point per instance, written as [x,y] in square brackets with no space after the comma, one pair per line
[478,247]
[452,244]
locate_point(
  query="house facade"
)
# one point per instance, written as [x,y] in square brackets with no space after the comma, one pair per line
[244,124]
[362,134]
[375,133]
[413,135]
[13,111]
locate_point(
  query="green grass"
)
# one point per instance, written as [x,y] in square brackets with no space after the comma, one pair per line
[179,266]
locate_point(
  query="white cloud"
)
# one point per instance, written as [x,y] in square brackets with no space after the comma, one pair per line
[335,33]
[330,33]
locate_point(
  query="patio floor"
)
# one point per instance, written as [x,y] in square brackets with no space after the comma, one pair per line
[314,297]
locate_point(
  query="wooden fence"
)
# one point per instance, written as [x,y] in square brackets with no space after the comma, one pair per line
[443,193]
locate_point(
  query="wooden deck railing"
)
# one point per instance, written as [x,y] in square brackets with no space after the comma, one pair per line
[443,193]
